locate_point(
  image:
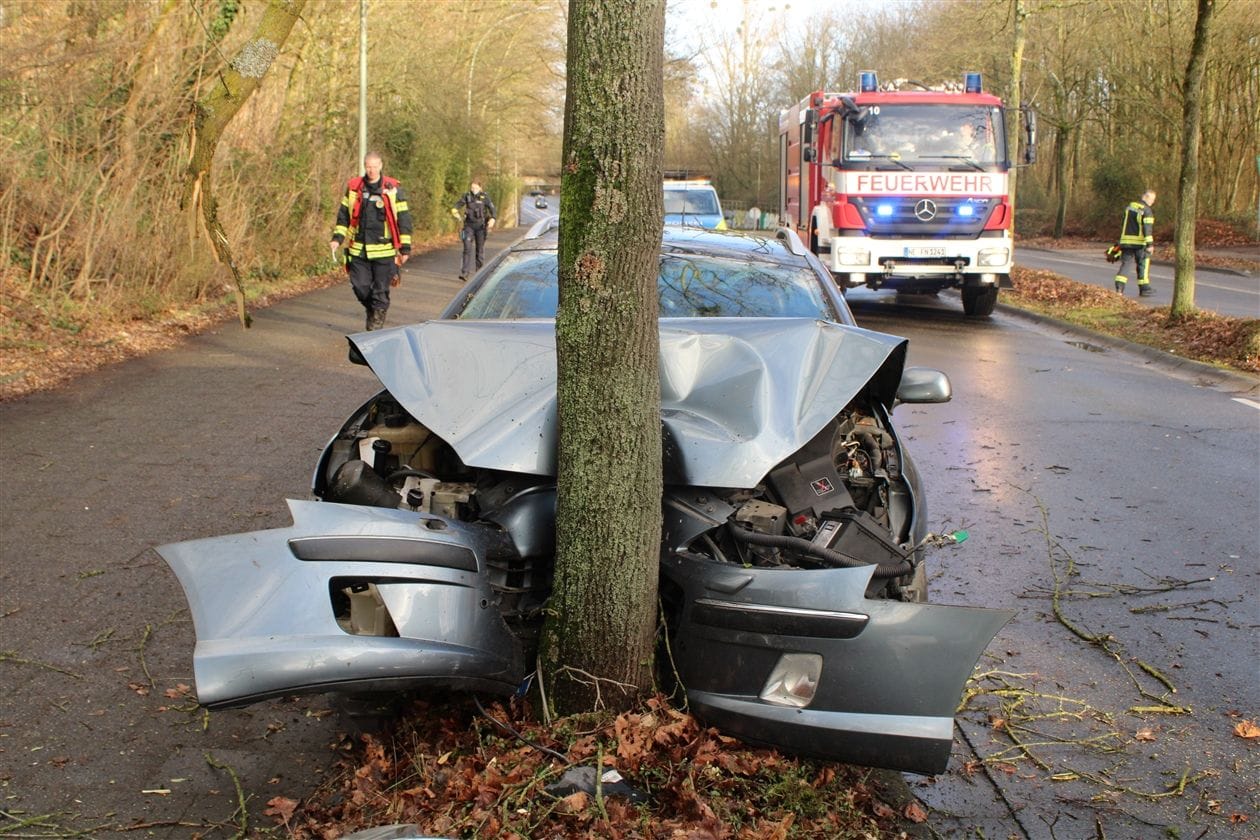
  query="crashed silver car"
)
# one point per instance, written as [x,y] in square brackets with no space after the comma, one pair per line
[792,560]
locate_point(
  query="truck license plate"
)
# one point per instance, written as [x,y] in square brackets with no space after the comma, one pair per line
[925,252]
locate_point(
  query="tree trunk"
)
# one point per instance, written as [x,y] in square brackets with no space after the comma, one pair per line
[1188,184]
[598,642]
[1020,14]
[215,110]
[1062,146]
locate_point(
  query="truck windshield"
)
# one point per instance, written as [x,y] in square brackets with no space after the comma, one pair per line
[939,134]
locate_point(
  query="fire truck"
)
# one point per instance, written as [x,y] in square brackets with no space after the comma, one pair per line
[904,189]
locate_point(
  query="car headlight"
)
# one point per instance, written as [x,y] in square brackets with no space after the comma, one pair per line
[854,257]
[793,680]
[994,256]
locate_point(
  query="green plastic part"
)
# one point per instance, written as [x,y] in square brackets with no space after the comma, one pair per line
[960,536]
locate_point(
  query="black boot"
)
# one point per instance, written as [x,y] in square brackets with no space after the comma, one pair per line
[1145,290]
[1119,287]
[376,320]
[367,318]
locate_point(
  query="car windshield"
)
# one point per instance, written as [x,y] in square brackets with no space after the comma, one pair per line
[524,285]
[699,202]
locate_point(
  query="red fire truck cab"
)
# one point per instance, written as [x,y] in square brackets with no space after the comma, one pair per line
[904,189]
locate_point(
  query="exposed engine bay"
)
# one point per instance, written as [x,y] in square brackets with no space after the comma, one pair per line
[841,501]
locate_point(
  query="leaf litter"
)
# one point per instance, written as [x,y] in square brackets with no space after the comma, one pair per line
[450,771]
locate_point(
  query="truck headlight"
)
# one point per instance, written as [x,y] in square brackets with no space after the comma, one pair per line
[853,257]
[994,256]
[793,680]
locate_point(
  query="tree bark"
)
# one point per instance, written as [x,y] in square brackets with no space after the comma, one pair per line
[1188,184]
[215,110]
[598,641]
[1019,14]
[1062,147]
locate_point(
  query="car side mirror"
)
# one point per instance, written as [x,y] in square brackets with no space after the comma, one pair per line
[923,385]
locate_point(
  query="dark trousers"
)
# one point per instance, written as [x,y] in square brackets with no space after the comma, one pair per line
[474,246]
[370,281]
[1141,258]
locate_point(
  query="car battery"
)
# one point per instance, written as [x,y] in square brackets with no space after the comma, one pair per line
[811,488]
[859,535]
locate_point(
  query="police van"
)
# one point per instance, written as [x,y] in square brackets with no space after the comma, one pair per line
[694,204]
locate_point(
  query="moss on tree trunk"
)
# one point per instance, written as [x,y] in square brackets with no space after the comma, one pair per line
[215,110]
[598,641]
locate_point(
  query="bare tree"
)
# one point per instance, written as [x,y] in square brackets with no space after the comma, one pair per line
[1188,184]
[1019,16]
[215,110]
[598,639]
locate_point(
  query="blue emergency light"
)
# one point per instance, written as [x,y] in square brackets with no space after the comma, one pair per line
[966,210]
[884,210]
[971,82]
[867,82]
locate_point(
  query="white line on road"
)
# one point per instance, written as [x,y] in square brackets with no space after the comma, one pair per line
[1246,401]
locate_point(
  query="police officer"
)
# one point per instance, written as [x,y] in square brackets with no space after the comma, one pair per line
[376,221]
[477,211]
[1136,238]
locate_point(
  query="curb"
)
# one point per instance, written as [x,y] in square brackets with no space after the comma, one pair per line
[1244,382]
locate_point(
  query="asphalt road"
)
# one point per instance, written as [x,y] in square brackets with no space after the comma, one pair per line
[205,439]
[1052,453]
[1129,495]
[1223,292]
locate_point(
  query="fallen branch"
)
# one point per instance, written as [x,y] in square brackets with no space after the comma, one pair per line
[12,656]
[242,806]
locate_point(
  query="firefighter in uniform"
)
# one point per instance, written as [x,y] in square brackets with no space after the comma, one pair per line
[374,222]
[1136,237]
[477,211]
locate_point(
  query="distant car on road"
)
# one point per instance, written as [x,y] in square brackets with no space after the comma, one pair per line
[693,204]
[541,202]
[791,574]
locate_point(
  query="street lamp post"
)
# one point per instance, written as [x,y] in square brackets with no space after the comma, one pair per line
[363,45]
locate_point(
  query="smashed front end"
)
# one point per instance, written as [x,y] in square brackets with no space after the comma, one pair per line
[792,574]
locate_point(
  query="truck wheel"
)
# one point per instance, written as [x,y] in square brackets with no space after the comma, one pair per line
[978,301]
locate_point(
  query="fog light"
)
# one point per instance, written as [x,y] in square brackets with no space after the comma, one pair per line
[793,680]
[994,256]
[854,257]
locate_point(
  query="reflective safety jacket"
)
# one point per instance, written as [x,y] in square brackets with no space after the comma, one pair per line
[1138,228]
[374,218]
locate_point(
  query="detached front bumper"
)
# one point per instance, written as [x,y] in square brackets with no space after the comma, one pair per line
[890,676]
[264,606]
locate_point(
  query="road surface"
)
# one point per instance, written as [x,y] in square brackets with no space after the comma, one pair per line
[1107,496]
[1223,292]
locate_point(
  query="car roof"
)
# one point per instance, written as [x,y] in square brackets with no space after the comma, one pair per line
[782,247]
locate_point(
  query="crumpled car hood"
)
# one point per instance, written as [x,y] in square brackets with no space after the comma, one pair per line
[738,395]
